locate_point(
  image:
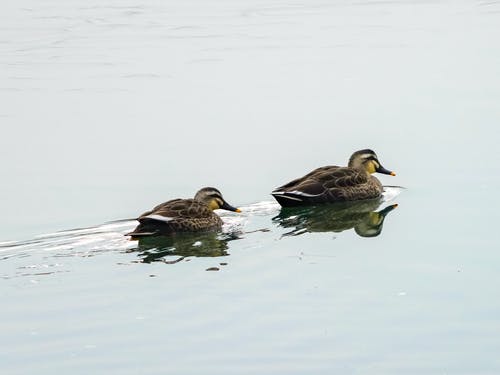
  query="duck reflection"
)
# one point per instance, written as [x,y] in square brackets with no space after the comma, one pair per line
[337,217]
[154,249]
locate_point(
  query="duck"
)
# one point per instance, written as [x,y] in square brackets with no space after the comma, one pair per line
[332,183]
[183,215]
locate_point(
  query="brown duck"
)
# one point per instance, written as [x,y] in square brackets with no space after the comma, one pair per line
[184,215]
[335,184]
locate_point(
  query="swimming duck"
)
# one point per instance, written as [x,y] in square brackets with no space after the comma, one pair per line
[335,184]
[183,215]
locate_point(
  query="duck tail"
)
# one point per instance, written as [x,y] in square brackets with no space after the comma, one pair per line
[144,229]
[287,199]
[151,225]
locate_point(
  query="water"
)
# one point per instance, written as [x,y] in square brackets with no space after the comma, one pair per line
[110,108]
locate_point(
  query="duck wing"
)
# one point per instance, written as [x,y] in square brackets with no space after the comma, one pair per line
[325,184]
[172,216]
[177,208]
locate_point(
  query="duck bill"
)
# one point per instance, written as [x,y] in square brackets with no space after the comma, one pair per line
[381,169]
[227,206]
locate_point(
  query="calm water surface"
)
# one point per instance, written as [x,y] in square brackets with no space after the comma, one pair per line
[112,107]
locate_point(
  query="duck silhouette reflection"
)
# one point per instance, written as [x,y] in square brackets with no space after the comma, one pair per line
[184,245]
[336,217]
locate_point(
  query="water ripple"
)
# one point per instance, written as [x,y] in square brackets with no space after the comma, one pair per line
[38,256]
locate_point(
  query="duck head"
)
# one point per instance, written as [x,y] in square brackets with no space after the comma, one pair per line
[213,199]
[367,160]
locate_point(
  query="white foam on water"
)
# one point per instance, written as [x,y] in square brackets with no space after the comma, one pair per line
[391,192]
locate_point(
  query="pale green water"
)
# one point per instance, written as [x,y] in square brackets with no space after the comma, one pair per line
[112,107]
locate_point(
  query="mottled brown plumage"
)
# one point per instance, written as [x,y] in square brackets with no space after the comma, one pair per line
[183,215]
[334,183]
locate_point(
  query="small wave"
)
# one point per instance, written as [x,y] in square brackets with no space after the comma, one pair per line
[391,192]
[73,242]
[110,236]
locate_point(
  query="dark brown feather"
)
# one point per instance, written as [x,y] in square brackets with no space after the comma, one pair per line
[329,184]
[185,215]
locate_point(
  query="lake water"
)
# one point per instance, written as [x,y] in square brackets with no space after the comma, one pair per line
[111,107]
